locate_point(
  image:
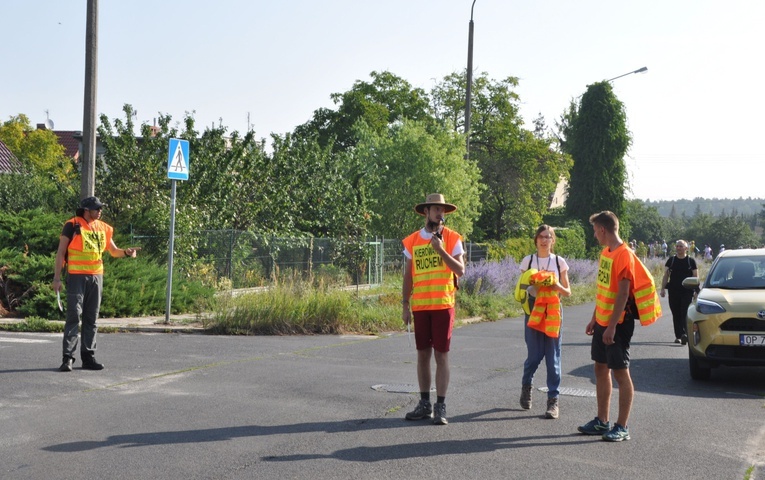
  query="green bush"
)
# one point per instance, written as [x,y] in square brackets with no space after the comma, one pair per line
[34,324]
[32,231]
[132,287]
[570,241]
[21,279]
[28,191]
[137,287]
[516,248]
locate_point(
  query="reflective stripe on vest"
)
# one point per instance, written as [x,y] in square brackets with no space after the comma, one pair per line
[84,253]
[545,316]
[642,287]
[432,282]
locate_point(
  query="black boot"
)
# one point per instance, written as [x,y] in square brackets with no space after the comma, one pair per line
[66,365]
[91,364]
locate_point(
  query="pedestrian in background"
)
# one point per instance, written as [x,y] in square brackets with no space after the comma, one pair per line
[83,240]
[433,264]
[707,253]
[677,268]
[542,330]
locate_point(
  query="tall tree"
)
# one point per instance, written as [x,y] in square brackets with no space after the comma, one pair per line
[645,222]
[413,162]
[50,179]
[520,168]
[379,103]
[597,138]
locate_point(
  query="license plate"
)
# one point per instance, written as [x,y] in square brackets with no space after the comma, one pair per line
[747,340]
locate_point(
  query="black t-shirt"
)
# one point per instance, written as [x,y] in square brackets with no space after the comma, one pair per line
[71,229]
[679,270]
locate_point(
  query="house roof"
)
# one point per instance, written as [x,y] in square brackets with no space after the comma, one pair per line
[8,161]
[66,138]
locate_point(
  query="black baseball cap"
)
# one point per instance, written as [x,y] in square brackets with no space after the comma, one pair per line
[91,203]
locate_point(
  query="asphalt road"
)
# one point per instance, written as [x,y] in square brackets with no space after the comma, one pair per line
[191,406]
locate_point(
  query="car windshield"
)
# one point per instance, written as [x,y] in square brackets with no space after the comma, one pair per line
[738,273]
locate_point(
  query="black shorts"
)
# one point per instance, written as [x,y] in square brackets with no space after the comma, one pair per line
[616,356]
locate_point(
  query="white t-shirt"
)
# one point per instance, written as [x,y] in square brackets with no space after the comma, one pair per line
[547,264]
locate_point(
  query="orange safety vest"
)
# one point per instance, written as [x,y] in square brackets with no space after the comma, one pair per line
[433,283]
[619,264]
[545,316]
[84,253]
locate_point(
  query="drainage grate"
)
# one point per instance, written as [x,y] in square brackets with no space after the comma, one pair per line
[573,392]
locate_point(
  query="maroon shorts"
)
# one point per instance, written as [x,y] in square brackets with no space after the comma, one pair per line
[433,328]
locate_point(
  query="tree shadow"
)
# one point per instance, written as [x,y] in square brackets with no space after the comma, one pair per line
[230,433]
[25,370]
[438,448]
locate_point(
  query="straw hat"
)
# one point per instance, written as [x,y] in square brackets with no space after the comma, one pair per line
[434,199]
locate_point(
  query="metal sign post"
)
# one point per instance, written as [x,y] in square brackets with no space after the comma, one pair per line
[177,169]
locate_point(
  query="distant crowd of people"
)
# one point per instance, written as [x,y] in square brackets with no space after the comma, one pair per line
[658,249]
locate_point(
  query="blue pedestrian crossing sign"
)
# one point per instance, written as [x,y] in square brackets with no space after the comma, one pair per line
[178,160]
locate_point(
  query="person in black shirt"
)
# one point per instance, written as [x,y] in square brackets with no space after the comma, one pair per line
[679,267]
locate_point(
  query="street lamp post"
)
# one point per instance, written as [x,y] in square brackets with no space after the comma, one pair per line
[639,70]
[469,83]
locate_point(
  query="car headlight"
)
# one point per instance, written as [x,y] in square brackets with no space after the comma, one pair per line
[708,308]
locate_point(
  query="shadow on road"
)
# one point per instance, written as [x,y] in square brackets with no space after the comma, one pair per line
[670,376]
[439,448]
[230,433]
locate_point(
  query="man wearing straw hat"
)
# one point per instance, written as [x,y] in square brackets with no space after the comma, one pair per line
[433,263]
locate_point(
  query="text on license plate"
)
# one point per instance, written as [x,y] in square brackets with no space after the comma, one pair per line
[747,340]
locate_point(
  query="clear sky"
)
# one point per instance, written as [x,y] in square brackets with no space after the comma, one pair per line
[695,115]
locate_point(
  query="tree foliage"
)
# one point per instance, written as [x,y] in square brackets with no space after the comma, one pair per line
[49,179]
[381,102]
[414,162]
[645,222]
[519,168]
[596,136]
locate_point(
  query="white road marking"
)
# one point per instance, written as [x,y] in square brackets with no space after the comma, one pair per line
[22,340]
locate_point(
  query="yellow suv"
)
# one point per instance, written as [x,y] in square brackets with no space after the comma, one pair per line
[726,321]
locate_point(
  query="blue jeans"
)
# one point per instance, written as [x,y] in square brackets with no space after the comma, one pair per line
[541,346]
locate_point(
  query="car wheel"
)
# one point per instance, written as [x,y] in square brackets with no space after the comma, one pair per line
[698,371]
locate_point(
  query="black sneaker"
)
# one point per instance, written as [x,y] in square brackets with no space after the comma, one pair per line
[422,410]
[439,414]
[66,365]
[92,364]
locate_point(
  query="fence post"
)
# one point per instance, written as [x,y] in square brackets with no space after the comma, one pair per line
[231,256]
[310,259]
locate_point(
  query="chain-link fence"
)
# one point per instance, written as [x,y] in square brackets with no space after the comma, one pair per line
[247,259]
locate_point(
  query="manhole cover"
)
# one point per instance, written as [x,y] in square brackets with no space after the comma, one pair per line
[398,388]
[573,392]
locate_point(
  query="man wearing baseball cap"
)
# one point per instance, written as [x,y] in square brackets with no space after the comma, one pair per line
[80,247]
[433,264]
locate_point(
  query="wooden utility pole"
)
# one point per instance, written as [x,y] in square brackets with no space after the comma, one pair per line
[88,163]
